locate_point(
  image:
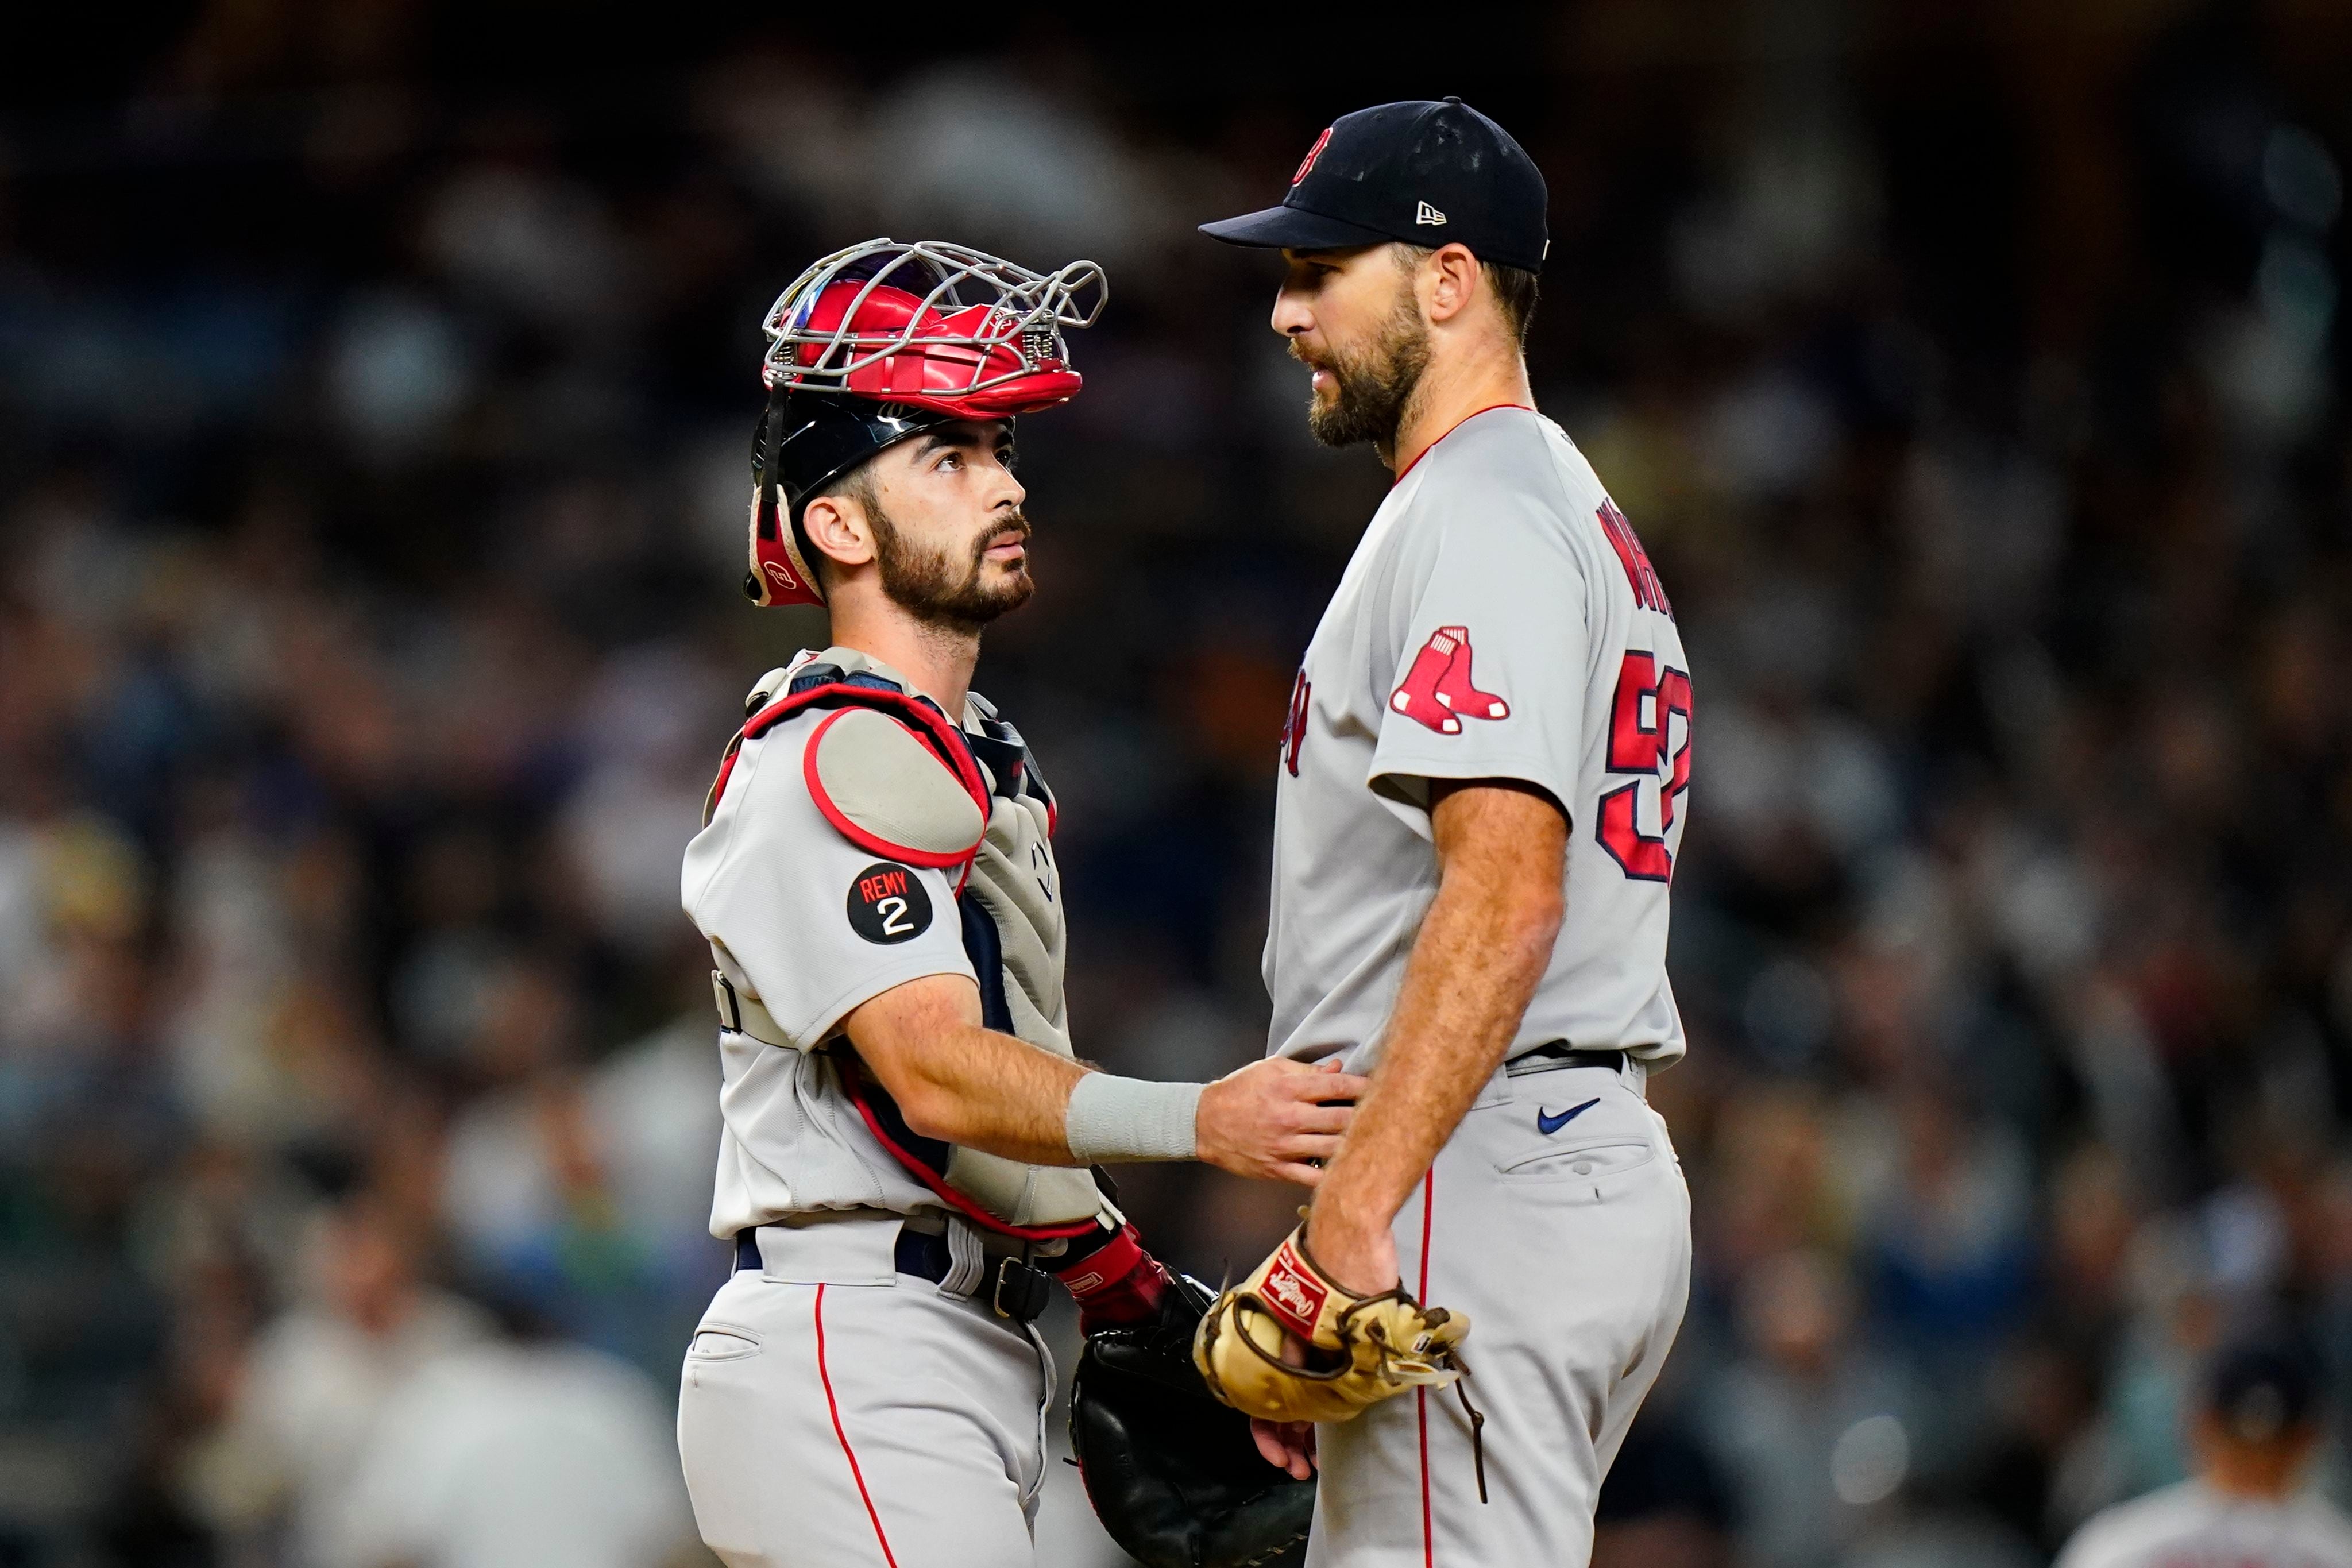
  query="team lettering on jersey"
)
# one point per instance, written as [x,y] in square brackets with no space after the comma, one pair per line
[1648,592]
[1293,723]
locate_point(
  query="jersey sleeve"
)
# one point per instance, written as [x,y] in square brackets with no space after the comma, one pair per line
[1488,627]
[2094,1546]
[816,924]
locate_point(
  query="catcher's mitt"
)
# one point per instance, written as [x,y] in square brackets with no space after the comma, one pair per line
[1357,1350]
[1173,1475]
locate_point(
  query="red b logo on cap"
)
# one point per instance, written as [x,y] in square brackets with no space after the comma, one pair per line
[1312,154]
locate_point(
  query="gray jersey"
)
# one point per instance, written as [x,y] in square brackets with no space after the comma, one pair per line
[807,924]
[2193,1526]
[1499,620]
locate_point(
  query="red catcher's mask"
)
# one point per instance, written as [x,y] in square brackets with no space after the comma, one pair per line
[897,337]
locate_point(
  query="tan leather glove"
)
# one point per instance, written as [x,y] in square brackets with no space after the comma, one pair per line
[1358,1350]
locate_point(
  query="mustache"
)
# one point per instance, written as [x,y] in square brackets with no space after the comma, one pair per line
[1013,529]
[1298,351]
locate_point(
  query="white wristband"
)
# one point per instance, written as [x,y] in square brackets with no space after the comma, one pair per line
[1113,1118]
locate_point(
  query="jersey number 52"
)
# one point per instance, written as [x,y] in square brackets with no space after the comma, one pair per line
[1645,740]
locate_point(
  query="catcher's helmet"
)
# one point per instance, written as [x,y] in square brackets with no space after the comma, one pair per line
[884,341]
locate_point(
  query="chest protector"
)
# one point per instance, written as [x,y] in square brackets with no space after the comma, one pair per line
[896,777]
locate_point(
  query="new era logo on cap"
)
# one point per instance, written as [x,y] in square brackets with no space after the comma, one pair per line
[1423,213]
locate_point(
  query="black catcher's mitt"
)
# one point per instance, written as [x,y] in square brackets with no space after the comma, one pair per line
[1172,1473]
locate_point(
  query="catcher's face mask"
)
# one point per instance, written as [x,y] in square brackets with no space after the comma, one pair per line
[884,341]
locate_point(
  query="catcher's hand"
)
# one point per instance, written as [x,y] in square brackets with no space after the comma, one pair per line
[1173,1474]
[1346,1352]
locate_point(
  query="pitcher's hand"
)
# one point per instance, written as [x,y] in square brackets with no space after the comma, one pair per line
[1269,1119]
[1286,1445]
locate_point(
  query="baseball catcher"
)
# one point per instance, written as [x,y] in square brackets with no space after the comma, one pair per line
[908,1134]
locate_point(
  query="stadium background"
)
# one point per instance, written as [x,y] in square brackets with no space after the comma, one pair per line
[376,388]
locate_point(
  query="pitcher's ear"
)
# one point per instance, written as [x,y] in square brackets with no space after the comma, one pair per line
[1450,280]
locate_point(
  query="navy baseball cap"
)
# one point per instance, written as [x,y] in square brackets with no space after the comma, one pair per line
[1420,171]
[2261,1385]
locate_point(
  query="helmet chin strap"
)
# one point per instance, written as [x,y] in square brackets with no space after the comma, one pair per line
[779,575]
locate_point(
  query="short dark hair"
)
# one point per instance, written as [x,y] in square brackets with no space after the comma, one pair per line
[1516,288]
[2263,1386]
[1515,293]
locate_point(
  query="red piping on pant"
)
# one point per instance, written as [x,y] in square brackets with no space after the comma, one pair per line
[833,1409]
[1421,1395]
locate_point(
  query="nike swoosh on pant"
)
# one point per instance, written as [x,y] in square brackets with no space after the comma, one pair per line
[1548,1125]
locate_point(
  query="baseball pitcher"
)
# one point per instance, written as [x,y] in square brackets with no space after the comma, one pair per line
[907,1137]
[1481,794]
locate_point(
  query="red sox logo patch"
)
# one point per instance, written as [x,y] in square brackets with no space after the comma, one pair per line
[1307,165]
[1292,1294]
[1438,692]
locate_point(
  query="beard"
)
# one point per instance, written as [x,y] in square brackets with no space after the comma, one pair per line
[943,589]
[1375,384]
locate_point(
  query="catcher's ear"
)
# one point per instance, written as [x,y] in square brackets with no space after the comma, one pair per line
[838,529]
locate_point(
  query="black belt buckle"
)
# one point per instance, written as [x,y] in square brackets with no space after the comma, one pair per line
[1018,1292]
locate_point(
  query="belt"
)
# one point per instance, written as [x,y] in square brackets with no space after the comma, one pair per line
[741,1015]
[1012,1289]
[1555,1054]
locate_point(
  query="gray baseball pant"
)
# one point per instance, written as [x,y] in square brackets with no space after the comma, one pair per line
[1571,1252]
[834,1413]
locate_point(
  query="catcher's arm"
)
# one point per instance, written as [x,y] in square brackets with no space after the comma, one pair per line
[954,1078]
[1502,850]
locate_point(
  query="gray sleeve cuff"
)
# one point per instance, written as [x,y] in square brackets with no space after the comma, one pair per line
[1112,1119]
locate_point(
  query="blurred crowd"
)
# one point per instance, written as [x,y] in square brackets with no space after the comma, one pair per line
[373,426]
